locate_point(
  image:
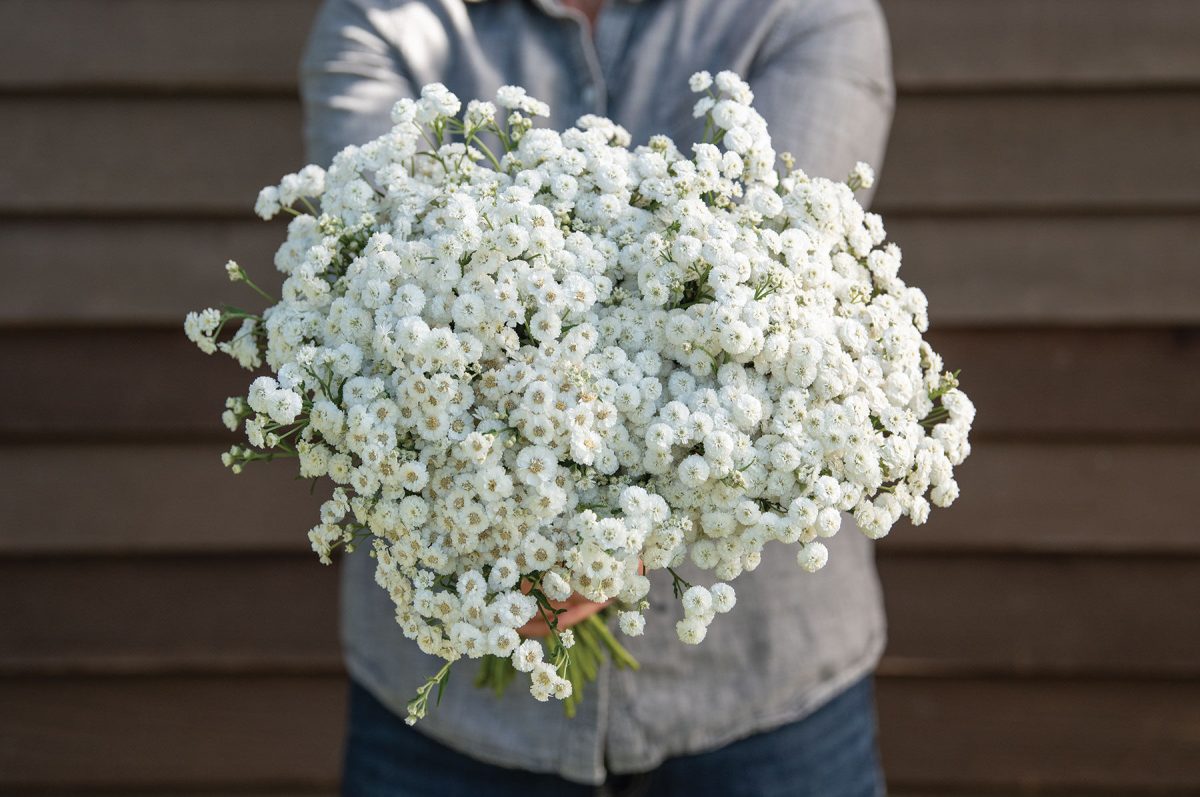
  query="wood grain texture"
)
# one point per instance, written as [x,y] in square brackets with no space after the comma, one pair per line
[131,271]
[144,156]
[174,734]
[178,499]
[141,383]
[154,498]
[284,733]
[167,156]
[165,628]
[192,614]
[1042,152]
[254,45]
[1080,498]
[995,271]
[948,45]
[140,45]
[949,615]
[1046,270]
[319,792]
[1032,615]
[1068,384]
[151,384]
[1042,735]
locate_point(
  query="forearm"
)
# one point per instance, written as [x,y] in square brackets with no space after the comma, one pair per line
[824,84]
[350,77]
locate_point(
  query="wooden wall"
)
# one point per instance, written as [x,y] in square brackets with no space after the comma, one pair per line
[164,629]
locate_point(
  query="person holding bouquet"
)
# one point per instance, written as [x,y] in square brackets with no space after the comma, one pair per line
[778,701]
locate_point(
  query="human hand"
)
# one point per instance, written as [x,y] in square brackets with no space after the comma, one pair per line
[575,609]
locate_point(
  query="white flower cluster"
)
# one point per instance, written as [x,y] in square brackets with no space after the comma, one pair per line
[532,373]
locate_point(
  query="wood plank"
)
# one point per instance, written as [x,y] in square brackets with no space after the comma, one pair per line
[130,272]
[1045,151]
[935,792]
[943,44]
[1066,384]
[1050,383]
[1032,615]
[138,45]
[237,45]
[247,733]
[948,154]
[192,614]
[171,734]
[1054,270]
[1016,497]
[145,156]
[173,498]
[1005,792]
[331,793]
[1041,735]
[1083,498]
[948,615]
[323,793]
[146,384]
[977,271]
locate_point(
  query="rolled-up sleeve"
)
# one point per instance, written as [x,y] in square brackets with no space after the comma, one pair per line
[350,77]
[823,81]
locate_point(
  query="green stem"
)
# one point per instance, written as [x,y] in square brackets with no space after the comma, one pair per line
[419,705]
[581,664]
[487,152]
[679,584]
[257,289]
[620,656]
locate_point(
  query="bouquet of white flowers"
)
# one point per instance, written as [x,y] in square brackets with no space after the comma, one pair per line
[536,363]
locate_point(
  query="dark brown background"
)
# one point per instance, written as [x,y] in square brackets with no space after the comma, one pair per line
[163,627]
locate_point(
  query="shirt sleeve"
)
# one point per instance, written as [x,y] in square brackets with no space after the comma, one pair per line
[350,77]
[823,82]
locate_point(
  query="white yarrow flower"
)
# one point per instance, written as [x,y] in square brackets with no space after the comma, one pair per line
[554,367]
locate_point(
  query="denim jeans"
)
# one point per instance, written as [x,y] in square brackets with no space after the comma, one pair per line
[830,753]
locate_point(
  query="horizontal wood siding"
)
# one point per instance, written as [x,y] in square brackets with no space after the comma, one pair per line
[985,270]
[1014,499]
[1050,383]
[951,613]
[166,156]
[165,628]
[274,732]
[234,46]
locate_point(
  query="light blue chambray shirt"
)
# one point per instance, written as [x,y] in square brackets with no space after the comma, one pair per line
[821,75]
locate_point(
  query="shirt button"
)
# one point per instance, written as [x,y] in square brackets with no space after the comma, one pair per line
[589,95]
